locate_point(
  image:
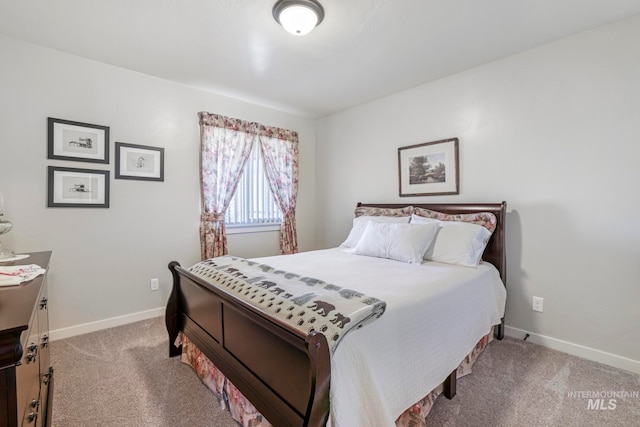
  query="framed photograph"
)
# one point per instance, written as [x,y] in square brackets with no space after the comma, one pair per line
[77,188]
[79,142]
[429,169]
[139,162]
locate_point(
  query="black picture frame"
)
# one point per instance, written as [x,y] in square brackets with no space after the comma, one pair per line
[139,162]
[77,188]
[77,142]
[429,169]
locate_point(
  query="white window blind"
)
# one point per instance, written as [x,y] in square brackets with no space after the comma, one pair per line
[253,203]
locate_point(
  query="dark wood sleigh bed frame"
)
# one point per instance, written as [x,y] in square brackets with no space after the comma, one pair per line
[284,373]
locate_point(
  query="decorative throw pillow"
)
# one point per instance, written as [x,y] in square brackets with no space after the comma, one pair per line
[460,243]
[359,224]
[485,219]
[396,241]
[375,211]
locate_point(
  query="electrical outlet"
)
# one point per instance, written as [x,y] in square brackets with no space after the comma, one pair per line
[155,284]
[537,304]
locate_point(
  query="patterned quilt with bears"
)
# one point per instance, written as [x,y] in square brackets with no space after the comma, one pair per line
[305,303]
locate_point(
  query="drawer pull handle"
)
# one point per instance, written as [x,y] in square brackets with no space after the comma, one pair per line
[46,378]
[45,340]
[35,403]
[33,353]
[43,303]
[32,417]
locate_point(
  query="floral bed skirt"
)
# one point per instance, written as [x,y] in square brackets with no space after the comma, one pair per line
[248,416]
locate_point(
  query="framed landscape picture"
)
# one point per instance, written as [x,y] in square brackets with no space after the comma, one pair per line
[77,188]
[139,162]
[429,169]
[80,142]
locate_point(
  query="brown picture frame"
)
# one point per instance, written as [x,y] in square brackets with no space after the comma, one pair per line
[429,169]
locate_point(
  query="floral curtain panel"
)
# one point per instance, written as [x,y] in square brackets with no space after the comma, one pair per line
[280,152]
[225,145]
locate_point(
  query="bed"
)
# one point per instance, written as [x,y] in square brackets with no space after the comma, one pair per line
[286,373]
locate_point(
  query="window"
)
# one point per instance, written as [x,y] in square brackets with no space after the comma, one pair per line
[253,203]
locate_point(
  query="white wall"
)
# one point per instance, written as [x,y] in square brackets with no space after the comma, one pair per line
[103,258]
[555,132]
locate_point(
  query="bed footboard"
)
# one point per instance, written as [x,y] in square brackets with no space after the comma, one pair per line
[286,375]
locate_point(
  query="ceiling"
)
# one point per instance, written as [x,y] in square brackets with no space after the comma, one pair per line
[363,50]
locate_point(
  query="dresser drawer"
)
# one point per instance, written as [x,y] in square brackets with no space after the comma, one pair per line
[28,375]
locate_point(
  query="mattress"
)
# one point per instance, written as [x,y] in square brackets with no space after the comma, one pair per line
[435,315]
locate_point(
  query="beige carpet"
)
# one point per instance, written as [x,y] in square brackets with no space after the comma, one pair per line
[517,383]
[124,377]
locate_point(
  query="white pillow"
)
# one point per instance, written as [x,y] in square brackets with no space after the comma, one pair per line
[397,241]
[460,243]
[361,222]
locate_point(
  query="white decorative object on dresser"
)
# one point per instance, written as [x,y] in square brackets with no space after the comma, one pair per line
[5,227]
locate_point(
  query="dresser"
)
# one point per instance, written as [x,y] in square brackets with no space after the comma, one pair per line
[26,375]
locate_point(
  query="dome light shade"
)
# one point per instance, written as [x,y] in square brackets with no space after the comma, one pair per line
[298,17]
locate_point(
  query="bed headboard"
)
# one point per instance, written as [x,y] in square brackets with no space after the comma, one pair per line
[495,252]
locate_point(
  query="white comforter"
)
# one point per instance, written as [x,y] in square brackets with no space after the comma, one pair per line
[435,315]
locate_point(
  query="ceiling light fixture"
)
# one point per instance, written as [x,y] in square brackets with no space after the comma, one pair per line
[298,17]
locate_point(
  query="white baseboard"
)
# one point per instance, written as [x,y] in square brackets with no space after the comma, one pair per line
[85,328]
[576,350]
